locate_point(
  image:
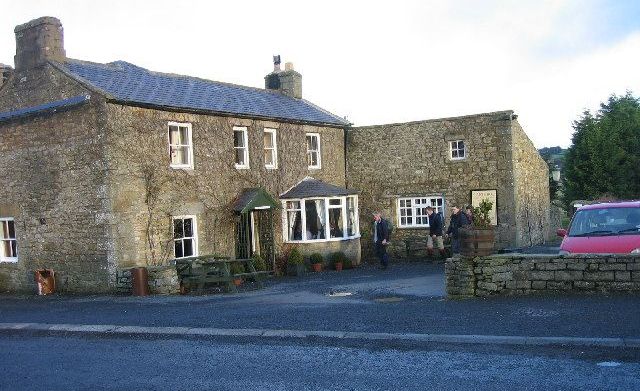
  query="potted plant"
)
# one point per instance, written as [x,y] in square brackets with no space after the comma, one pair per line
[235,269]
[338,259]
[316,262]
[478,239]
[295,263]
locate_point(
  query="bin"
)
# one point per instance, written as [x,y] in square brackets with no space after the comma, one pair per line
[140,281]
[46,281]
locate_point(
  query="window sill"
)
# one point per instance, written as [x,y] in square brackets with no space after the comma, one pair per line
[8,260]
[314,167]
[458,159]
[241,167]
[413,227]
[181,167]
[323,240]
[271,167]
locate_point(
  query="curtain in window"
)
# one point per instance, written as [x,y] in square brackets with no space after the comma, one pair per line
[351,216]
[321,217]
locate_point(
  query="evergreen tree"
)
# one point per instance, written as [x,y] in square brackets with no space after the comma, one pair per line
[604,158]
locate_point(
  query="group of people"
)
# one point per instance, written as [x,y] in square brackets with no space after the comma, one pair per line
[459,219]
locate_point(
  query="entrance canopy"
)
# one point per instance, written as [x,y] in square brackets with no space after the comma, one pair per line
[256,198]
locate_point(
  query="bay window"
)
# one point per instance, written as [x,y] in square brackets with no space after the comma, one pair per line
[324,218]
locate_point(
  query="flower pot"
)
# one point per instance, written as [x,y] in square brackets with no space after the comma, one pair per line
[476,242]
[338,266]
[237,281]
[317,267]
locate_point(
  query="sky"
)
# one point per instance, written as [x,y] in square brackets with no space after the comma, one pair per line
[375,62]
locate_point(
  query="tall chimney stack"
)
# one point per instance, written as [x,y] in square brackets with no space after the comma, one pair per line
[38,41]
[289,82]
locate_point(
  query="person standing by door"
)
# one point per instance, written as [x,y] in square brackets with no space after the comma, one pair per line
[436,225]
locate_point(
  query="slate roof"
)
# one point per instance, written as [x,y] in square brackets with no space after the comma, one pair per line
[128,83]
[50,107]
[310,187]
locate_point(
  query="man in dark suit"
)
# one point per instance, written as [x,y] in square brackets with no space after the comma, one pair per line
[458,220]
[381,238]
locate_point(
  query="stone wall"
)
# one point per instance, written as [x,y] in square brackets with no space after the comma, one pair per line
[526,274]
[54,185]
[138,147]
[411,159]
[531,181]
[163,280]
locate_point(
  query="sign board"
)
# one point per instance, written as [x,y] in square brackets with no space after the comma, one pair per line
[490,195]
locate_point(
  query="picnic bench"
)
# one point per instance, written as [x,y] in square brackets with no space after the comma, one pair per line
[198,272]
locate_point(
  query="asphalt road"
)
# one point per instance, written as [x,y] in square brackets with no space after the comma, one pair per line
[406,299]
[44,363]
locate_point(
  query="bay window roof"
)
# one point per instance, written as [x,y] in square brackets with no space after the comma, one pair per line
[309,188]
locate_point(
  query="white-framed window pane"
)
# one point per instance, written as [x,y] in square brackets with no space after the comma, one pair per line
[268,140]
[315,216]
[457,149]
[184,237]
[336,221]
[270,148]
[180,148]
[412,212]
[240,157]
[8,242]
[294,221]
[313,150]
[241,148]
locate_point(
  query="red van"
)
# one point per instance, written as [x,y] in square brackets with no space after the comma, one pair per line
[606,228]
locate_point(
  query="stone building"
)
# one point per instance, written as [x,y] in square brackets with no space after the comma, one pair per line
[108,166]
[402,168]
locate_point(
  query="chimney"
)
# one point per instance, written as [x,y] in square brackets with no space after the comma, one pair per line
[5,73]
[38,41]
[289,82]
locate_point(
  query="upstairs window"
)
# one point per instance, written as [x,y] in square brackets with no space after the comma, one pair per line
[270,149]
[241,146]
[412,212]
[185,237]
[313,150]
[180,145]
[457,150]
[8,242]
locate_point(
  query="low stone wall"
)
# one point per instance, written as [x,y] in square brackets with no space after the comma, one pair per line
[163,280]
[511,274]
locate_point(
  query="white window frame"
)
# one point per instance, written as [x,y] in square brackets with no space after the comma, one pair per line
[245,136]
[418,203]
[454,146]
[189,145]
[273,149]
[311,151]
[194,237]
[4,241]
[327,233]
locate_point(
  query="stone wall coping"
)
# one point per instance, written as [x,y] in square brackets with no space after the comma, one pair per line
[462,117]
[557,256]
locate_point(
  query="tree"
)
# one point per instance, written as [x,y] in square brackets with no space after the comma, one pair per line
[604,158]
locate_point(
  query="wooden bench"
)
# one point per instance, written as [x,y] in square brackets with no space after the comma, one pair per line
[197,272]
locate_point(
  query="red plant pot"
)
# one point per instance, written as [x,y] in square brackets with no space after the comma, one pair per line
[317,267]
